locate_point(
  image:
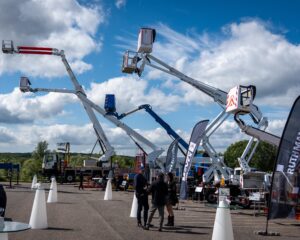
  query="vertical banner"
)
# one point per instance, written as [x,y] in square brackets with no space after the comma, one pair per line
[171,159]
[195,139]
[285,195]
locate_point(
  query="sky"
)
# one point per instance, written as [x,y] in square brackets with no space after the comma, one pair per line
[220,43]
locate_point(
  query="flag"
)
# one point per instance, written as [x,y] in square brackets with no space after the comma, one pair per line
[285,195]
[195,139]
[171,159]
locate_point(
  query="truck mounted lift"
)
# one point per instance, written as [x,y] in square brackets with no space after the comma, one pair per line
[89,106]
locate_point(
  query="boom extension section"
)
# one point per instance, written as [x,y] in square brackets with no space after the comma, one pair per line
[158,119]
[8,47]
[88,105]
[256,133]
[136,62]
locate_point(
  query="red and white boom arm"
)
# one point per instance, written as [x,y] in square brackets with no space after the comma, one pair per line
[8,47]
[88,104]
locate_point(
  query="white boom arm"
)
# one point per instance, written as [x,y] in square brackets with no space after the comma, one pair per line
[88,105]
[8,47]
[129,131]
[220,97]
[257,133]
[130,65]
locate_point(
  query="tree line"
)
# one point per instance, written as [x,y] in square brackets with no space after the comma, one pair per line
[31,163]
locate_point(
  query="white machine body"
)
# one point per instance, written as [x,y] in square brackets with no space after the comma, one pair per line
[239,99]
[145,40]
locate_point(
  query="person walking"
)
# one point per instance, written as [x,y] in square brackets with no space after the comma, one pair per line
[159,190]
[81,180]
[3,200]
[171,199]
[140,186]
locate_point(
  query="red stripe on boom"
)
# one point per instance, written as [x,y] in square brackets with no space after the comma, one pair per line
[34,48]
[36,52]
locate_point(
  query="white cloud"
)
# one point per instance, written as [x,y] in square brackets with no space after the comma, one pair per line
[81,137]
[229,133]
[276,127]
[120,3]
[131,92]
[249,54]
[17,107]
[7,136]
[245,53]
[64,25]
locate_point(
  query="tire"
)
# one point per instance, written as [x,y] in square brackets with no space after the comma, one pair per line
[246,204]
[211,198]
[70,178]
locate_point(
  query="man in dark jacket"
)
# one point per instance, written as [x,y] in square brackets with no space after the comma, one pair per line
[140,186]
[81,180]
[159,190]
[2,201]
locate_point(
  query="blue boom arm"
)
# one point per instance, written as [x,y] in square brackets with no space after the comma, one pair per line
[161,122]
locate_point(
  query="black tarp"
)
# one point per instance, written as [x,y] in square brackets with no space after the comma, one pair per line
[195,139]
[171,159]
[285,195]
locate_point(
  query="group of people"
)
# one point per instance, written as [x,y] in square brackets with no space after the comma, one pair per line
[163,194]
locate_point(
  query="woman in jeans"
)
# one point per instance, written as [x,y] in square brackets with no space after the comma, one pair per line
[171,199]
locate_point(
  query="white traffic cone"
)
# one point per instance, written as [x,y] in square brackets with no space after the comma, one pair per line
[52,197]
[38,217]
[134,207]
[34,182]
[108,191]
[223,225]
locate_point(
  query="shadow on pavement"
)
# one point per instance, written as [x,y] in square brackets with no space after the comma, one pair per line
[73,192]
[65,203]
[179,230]
[59,229]
[181,226]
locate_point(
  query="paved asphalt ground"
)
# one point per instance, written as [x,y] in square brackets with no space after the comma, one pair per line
[85,215]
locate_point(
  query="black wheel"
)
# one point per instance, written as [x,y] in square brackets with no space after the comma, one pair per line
[70,178]
[211,198]
[246,204]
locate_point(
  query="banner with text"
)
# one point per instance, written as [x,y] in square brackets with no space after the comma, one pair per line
[171,159]
[196,136]
[285,196]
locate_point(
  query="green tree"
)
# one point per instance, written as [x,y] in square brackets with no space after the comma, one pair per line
[34,165]
[124,161]
[29,169]
[40,150]
[263,158]
[77,160]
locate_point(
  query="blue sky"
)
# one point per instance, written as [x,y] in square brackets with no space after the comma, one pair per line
[222,43]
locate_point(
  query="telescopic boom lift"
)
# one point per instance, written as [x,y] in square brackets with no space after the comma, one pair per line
[134,62]
[7,47]
[161,122]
